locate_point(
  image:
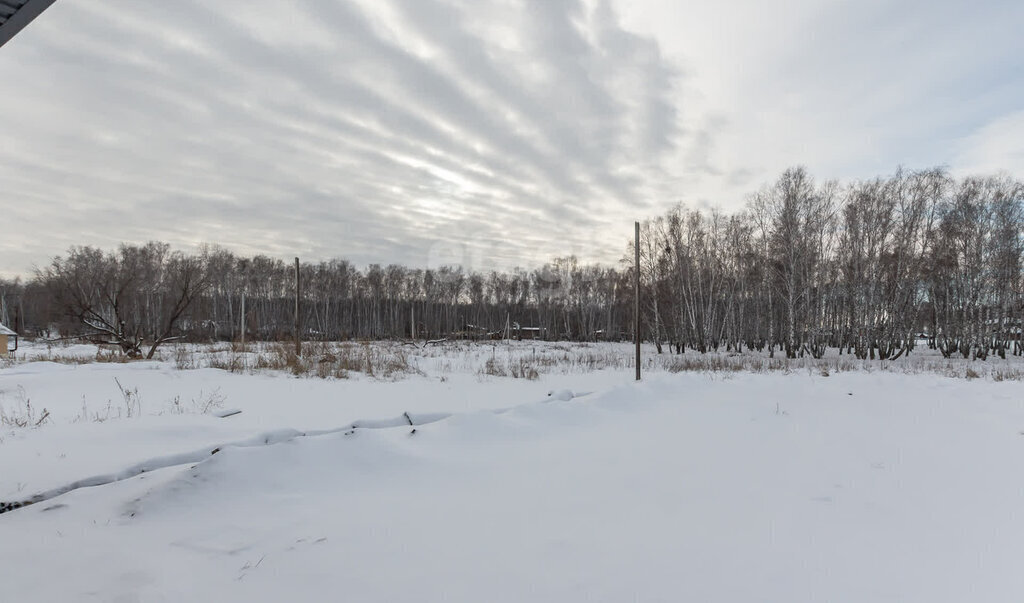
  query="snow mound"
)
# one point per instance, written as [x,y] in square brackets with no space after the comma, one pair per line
[561,394]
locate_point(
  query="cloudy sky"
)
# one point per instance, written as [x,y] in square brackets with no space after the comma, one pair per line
[491,133]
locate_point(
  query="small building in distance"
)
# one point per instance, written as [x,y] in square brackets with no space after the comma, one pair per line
[8,340]
[522,333]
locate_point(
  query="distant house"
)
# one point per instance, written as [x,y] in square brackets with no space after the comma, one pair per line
[529,332]
[520,332]
[8,340]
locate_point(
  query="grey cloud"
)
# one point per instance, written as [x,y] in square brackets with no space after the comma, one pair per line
[176,121]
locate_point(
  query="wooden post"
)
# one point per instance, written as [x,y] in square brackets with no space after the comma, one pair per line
[636,297]
[242,319]
[298,322]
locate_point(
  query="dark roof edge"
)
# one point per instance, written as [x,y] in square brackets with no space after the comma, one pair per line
[22,17]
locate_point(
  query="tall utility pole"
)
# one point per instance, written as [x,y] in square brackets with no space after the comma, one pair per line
[242,321]
[636,297]
[298,323]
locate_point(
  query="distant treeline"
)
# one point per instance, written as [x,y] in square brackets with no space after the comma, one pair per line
[868,267]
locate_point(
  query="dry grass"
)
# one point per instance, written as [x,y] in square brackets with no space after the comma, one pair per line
[204,404]
[318,359]
[20,413]
[515,367]
[391,360]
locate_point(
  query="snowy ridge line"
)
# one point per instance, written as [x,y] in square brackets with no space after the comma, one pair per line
[265,439]
[406,419]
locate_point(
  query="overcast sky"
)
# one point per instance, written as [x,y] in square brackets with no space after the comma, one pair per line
[491,133]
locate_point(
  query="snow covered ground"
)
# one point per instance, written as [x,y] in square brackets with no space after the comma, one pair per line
[691,486]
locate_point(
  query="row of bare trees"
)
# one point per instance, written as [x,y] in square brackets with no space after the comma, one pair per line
[339,301]
[149,294]
[869,268]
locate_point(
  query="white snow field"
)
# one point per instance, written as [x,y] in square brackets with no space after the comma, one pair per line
[711,487]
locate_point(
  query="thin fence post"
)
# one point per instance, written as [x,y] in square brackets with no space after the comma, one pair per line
[298,322]
[241,319]
[636,295]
